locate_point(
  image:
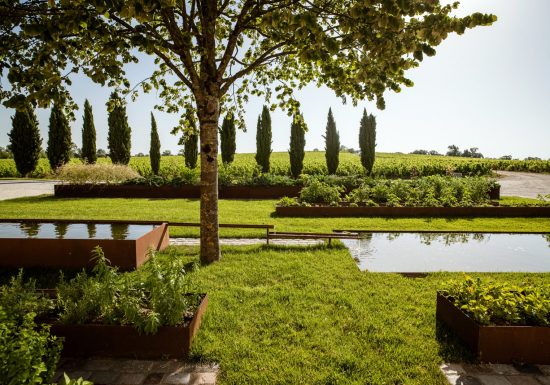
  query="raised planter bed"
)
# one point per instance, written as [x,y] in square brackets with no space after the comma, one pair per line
[185,191]
[497,344]
[51,252]
[125,341]
[396,212]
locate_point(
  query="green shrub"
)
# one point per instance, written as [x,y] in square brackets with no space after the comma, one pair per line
[119,136]
[96,173]
[319,192]
[288,202]
[25,142]
[500,303]
[154,147]
[28,352]
[59,138]
[332,145]
[432,191]
[152,298]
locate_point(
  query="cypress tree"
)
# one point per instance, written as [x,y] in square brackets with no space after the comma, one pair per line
[191,143]
[89,154]
[25,142]
[154,149]
[367,141]
[332,144]
[297,144]
[119,137]
[227,139]
[59,138]
[263,140]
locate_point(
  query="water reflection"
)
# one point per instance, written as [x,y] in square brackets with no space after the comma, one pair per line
[31,229]
[92,230]
[61,230]
[472,252]
[119,231]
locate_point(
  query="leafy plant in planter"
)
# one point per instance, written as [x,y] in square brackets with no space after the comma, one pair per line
[28,352]
[492,303]
[320,192]
[288,202]
[147,299]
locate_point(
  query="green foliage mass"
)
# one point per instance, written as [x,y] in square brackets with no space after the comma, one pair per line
[297,144]
[263,140]
[501,303]
[367,141]
[227,138]
[119,135]
[431,191]
[24,141]
[332,144]
[28,353]
[154,149]
[191,150]
[59,138]
[89,152]
[317,191]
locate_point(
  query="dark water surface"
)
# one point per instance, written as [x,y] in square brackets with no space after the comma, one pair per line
[73,230]
[468,252]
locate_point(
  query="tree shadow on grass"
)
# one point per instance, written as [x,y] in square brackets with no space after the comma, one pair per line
[451,348]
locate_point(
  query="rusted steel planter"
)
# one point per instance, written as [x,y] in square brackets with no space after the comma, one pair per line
[124,340]
[395,212]
[496,344]
[76,253]
[185,191]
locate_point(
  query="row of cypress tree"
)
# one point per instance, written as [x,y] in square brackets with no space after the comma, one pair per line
[26,143]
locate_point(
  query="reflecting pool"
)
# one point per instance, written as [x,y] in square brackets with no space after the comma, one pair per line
[61,230]
[468,252]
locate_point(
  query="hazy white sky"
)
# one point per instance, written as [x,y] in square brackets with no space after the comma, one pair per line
[489,88]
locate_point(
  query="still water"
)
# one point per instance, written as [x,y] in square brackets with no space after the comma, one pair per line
[468,252]
[73,230]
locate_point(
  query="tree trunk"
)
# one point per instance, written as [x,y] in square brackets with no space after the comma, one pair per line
[208,114]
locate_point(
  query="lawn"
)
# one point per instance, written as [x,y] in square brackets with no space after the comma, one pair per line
[243,211]
[309,316]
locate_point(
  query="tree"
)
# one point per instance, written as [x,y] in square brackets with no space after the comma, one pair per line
[154,149]
[190,142]
[206,50]
[263,140]
[25,142]
[101,153]
[119,136]
[332,144]
[88,153]
[453,151]
[227,138]
[59,138]
[367,141]
[472,152]
[297,144]
[167,153]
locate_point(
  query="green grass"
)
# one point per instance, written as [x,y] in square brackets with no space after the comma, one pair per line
[520,201]
[242,211]
[309,316]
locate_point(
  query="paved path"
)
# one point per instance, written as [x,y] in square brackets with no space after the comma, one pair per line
[18,188]
[523,184]
[103,371]
[249,241]
[494,374]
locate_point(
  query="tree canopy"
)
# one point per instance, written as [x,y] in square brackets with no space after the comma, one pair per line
[211,55]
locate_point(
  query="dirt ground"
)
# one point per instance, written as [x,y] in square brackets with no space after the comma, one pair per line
[523,184]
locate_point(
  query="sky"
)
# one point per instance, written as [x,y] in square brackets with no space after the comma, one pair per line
[489,88]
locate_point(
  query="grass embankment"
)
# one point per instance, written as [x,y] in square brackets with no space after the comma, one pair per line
[243,211]
[309,316]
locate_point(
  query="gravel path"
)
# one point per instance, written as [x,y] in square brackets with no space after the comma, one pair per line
[523,184]
[18,188]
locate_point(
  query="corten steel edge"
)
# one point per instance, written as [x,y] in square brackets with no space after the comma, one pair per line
[76,253]
[184,191]
[497,344]
[124,341]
